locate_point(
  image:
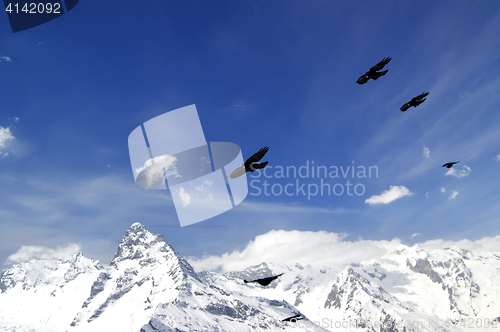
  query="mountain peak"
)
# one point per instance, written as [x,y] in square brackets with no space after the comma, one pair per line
[137,227]
[146,249]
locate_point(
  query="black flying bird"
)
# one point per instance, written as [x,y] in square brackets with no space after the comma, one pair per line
[414,101]
[251,164]
[264,281]
[374,72]
[450,165]
[293,318]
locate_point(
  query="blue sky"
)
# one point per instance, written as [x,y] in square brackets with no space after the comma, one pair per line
[275,73]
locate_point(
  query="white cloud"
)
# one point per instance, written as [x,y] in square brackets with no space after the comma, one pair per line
[16,119]
[5,136]
[4,155]
[155,171]
[459,173]
[427,194]
[427,153]
[442,189]
[388,196]
[197,195]
[484,244]
[454,194]
[5,58]
[27,253]
[414,234]
[184,195]
[497,158]
[290,247]
[306,247]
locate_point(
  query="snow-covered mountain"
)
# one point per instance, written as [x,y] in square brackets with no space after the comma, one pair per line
[410,289]
[149,287]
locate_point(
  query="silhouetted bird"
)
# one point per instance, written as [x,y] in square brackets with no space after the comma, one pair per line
[264,281]
[450,165]
[373,73]
[251,164]
[293,318]
[414,101]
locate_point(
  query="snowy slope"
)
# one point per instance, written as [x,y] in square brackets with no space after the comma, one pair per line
[147,287]
[409,289]
[43,293]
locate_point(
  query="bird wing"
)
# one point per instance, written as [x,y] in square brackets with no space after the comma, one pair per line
[420,97]
[257,156]
[405,107]
[238,172]
[255,166]
[449,165]
[291,317]
[381,64]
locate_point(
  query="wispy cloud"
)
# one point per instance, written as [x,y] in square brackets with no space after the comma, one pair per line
[388,196]
[289,208]
[237,109]
[55,209]
[459,173]
[414,234]
[4,58]
[497,158]
[27,253]
[442,189]
[454,194]
[427,153]
[16,119]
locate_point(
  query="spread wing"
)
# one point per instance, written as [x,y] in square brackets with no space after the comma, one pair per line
[450,165]
[264,281]
[255,166]
[381,64]
[292,318]
[257,156]
[420,97]
[238,172]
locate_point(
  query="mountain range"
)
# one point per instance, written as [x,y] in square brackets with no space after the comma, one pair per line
[148,287]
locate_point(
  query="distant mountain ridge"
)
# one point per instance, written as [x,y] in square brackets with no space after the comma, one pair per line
[150,287]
